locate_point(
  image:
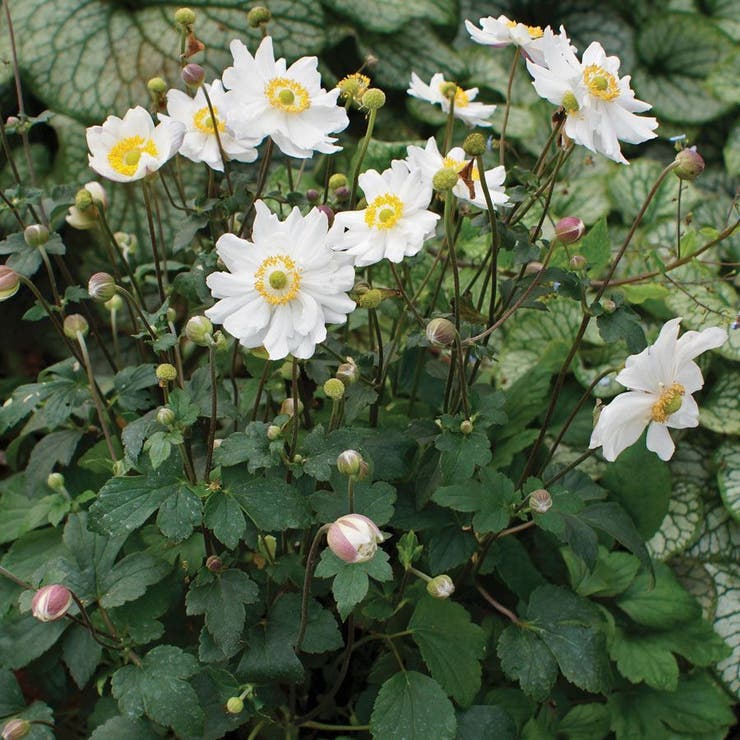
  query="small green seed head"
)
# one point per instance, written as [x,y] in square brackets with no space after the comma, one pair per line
[445,179]
[474,144]
[235,705]
[258,16]
[337,180]
[373,99]
[370,299]
[184,16]
[156,86]
[74,324]
[334,389]
[166,373]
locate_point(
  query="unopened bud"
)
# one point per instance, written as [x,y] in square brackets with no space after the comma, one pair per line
[234,705]
[354,538]
[55,481]
[373,99]
[532,268]
[101,287]
[51,603]
[349,463]
[127,242]
[342,194]
[337,180]
[193,74]
[474,145]
[199,330]
[312,195]
[445,179]
[214,563]
[540,500]
[441,587]
[577,262]
[184,16]
[689,164]
[569,229]
[220,341]
[15,729]
[274,432]
[83,200]
[327,211]
[156,86]
[287,407]
[12,121]
[75,324]
[267,546]
[36,235]
[348,372]
[334,388]
[166,416]
[608,305]
[258,16]
[441,332]
[166,373]
[371,299]
[9,282]
[466,427]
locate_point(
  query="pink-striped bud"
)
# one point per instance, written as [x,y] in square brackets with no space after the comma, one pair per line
[15,729]
[354,538]
[569,229]
[689,164]
[9,282]
[51,603]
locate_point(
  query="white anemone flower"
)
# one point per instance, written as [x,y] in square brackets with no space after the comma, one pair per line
[284,286]
[395,222]
[429,161]
[473,114]
[660,380]
[600,106]
[200,143]
[133,147]
[287,104]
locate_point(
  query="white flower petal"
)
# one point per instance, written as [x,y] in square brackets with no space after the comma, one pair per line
[659,441]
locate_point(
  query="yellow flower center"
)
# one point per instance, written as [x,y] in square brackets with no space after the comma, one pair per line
[287,95]
[354,85]
[125,155]
[570,103]
[204,122]
[669,402]
[384,211]
[461,97]
[458,165]
[600,83]
[278,280]
[534,32]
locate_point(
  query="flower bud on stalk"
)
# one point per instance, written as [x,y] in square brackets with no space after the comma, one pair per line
[690,164]
[214,563]
[445,179]
[184,16]
[337,180]
[9,282]
[199,330]
[166,373]
[258,16]
[328,211]
[193,74]
[474,145]
[89,202]
[441,332]
[287,407]
[36,235]
[569,229]
[370,299]
[73,324]
[441,587]
[312,195]
[350,463]
[101,287]
[15,729]
[51,603]
[354,538]
[165,416]
[577,262]
[540,501]
[334,389]
[348,372]
[274,432]
[234,705]
[373,99]
[55,481]
[466,427]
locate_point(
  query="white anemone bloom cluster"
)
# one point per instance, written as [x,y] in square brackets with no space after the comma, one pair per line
[429,161]
[660,380]
[285,103]
[600,106]
[283,287]
[130,148]
[200,143]
[473,114]
[395,222]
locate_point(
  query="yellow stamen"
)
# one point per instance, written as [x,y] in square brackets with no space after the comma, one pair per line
[669,402]
[287,95]
[384,211]
[278,280]
[600,83]
[354,85]
[203,121]
[534,32]
[125,155]
[458,165]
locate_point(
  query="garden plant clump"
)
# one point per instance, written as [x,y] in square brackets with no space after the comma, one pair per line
[390,392]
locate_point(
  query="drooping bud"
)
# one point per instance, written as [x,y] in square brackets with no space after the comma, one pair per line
[540,500]
[55,481]
[348,372]
[287,407]
[199,330]
[349,463]
[74,324]
[101,287]
[193,74]
[166,373]
[354,538]
[214,563]
[166,416]
[234,705]
[220,341]
[258,16]
[466,427]
[128,243]
[474,144]
[569,229]
[51,603]
[89,201]
[577,262]
[342,194]
[441,332]
[441,587]
[445,179]
[370,299]
[334,389]
[312,195]
[36,235]
[274,432]
[15,729]
[9,282]
[184,16]
[327,211]
[373,99]
[689,164]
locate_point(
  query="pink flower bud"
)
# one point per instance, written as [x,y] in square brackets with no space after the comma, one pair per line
[51,603]
[328,212]
[349,463]
[569,229]
[441,332]
[214,564]
[690,164]
[354,538]
[101,287]
[9,282]
[193,75]
[15,729]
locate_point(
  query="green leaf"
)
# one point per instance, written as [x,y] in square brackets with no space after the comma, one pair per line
[661,606]
[382,16]
[159,688]
[374,501]
[727,584]
[727,458]
[682,523]
[644,658]
[123,728]
[251,446]
[221,597]
[223,516]
[596,247]
[81,654]
[24,638]
[11,696]
[412,706]
[270,503]
[585,722]
[134,386]
[180,514]
[130,577]
[55,448]
[622,324]
[485,720]
[451,645]
[525,658]
[461,453]
[720,410]
[613,573]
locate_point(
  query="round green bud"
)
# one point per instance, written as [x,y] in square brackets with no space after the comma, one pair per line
[445,179]
[608,305]
[171,314]
[156,86]
[235,705]
[258,16]
[577,262]
[297,459]
[441,587]
[540,501]
[114,304]
[466,427]
[474,144]
[267,546]
[337,180]
[274,432]
[184,16]
[350,463]
[36,235]
[75,324]
[373,99]
[286,370]
[199,330]
[127,242]
[84,200]
[334,388]
[441,332]
[165,416]
[166,373]
[370,299]
[689,164]
[101,287]
[55,481]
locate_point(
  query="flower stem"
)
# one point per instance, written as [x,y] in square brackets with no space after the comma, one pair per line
[261,179]
[218,140]
[153,237]
[214,413]
[361,156]
[502,140]
[310,562]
